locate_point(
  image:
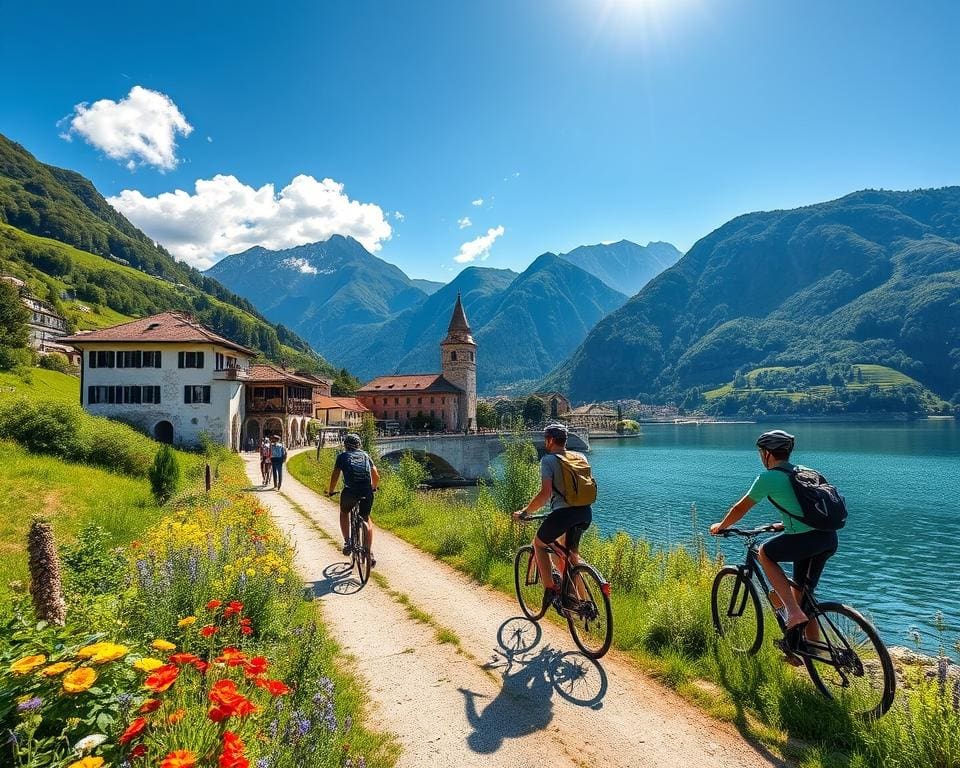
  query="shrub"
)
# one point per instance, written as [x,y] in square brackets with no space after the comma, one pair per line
[164,474]
[93,566]
[54,361]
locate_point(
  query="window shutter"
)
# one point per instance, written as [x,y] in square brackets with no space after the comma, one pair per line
[179,359]
[93,359]
[156,361]
[186,392]
[206,391]
[199,360]
[90,395]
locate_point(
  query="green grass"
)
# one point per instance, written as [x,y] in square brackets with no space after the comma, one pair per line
[39,383]
[873,375]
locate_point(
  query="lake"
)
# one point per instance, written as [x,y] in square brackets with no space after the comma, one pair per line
[899,556]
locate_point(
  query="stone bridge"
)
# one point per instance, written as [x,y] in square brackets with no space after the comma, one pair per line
[468,457]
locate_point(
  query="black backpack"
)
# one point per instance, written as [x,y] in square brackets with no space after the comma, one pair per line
[823,507]
[356,472]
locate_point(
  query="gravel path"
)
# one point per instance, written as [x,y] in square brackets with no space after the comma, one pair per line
[506,693]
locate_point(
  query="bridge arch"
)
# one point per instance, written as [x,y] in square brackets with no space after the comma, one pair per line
[438,467]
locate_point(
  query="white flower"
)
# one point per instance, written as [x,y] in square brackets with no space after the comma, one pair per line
[88,743]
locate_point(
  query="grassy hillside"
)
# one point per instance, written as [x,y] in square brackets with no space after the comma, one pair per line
[104,293]
[40,384]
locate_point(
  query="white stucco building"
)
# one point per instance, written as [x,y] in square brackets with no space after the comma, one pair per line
[168,375]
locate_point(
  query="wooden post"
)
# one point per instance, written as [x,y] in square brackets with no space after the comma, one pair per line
[206,479]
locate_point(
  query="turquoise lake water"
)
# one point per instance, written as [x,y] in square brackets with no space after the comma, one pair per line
[899,556]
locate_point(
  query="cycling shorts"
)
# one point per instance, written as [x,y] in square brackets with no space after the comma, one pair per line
[572,521]
[808,551]
[349,498]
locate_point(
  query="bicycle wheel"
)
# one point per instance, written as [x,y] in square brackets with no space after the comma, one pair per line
[361,552]
[589,616]
[737,613]
[528,584]
[851,663]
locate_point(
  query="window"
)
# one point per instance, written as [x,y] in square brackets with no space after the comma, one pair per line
[443,401]
[408,401]
[101,359]
[194,394]
[453,356]
[130,359]
[151,360]
[385,400]
[96,395]
[189,359]
[151,394]
[396,415]
[471,357]
[432,400]
[419,401]
[219,360]
[396,401]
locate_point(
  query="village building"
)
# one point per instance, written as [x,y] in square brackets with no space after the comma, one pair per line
[280,402]
[168,375]
[592,417]
[46,326]
[344,412]
[446,401]
[557,403]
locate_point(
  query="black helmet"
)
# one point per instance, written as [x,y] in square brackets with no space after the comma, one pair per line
[352,441]
[776,440]
[557,431]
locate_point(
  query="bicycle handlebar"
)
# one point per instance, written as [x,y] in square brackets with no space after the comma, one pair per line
[768,528]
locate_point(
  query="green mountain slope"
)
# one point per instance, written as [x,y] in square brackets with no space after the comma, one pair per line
[57,230]
[624,266]
[871,278]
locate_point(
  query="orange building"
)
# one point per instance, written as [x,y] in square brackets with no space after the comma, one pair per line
[445,401]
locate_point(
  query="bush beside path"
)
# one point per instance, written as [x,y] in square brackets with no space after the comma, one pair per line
[440,655]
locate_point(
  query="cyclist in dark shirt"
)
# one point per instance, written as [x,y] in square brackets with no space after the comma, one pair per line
[360,481]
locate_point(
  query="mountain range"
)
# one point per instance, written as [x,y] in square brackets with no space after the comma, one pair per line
[59,233]
[624,266]
[871,278]
[370,317]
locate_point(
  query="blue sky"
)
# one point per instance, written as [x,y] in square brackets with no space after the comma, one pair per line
[574,121]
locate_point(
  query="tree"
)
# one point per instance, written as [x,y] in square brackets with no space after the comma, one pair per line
[534,409]
[368,434]
[14,316]
[486,415]
[344,385]
[164,474]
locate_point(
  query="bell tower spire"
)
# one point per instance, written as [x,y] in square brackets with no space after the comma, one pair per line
[458,363]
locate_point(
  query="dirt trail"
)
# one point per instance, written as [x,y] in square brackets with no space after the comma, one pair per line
[507,694]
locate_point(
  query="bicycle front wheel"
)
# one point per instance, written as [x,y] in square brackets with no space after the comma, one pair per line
[737,614]
[588,613]
[849,660]
[361,553]
[528,584]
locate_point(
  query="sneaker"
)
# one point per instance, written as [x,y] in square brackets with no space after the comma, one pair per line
[347,548]
[551,597]
[373,560]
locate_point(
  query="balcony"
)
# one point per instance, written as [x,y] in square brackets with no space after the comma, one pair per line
[232,373]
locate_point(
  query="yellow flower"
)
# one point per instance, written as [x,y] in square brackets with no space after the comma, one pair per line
[87,762]
[147,665]
[281,581]
[79,680]
[108,652]
[27,664]
[55,669]
[163,645]
[89,651]
[187,621]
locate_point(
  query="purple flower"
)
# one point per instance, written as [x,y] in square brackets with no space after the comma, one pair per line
[30,705]
[264,762]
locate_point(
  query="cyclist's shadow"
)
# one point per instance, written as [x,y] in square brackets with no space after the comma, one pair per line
[524,704]
[338,579]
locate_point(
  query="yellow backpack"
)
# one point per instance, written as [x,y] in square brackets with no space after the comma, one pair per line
[579,488]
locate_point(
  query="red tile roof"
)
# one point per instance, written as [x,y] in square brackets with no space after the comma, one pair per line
[411,382]
[165,328]
[347,403]
[265,372]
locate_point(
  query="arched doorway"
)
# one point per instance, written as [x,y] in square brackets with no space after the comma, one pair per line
[253,432]
[273,427]
[163,432]
[294,433]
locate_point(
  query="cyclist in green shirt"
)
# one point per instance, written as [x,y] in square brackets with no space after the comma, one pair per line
[807,548]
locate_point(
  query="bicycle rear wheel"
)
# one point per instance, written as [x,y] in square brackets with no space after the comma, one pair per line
[737,614]
[526,578]
[589,614]
[851,664]
[361,552]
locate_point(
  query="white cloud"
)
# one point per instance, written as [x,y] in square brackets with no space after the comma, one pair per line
[224,216]
[464,222]
[141,128]
[478,202]
[301,265]
[478,248]
[398,216]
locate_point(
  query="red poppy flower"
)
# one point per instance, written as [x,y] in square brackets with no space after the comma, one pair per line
[208,631]
[273,687]
[148,706]
[245,627]
[180,758]
[232,755]
[162,678]
[233,609]
[139,751]
[133,730]
[256,666]
[232,657]
[201,666]
[183,658]
[213,605]
[227,702]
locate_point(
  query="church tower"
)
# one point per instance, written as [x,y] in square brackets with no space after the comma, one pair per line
[458,364]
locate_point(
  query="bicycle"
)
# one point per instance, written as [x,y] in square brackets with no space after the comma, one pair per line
[585,596]
[360,556]
[846,659]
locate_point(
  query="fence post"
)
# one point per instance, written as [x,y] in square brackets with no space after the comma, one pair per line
[206,479]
